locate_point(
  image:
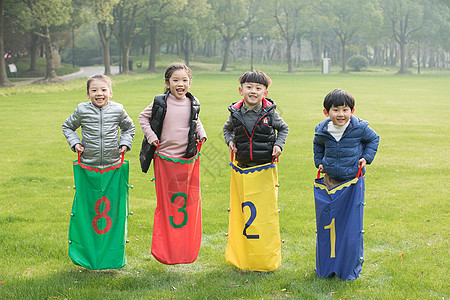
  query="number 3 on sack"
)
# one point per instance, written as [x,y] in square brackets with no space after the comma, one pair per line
[181,209]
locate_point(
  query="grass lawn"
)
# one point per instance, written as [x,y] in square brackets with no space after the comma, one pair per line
[407,194]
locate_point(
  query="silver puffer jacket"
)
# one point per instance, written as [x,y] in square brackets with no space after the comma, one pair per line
[100,132]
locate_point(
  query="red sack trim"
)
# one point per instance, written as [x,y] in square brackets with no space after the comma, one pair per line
[97,169]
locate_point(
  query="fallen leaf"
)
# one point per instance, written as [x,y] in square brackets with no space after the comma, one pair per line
[233,285]
[401,255]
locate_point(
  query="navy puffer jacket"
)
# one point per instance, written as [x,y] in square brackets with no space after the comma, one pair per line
[340,160]
[255,146]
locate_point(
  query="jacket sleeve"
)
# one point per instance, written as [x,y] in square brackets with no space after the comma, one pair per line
[319,149]
[282,129]
[200,131]
[144,121]
[370,140]
[228,132]
[69,128]
[127,130]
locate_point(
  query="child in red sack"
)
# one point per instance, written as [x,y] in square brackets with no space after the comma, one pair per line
[173,136]
[172,119]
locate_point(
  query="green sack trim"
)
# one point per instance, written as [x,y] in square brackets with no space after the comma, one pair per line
[179,160]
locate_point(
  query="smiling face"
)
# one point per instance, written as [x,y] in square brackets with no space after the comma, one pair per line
[339,115]
[99,92]
[253,93]
[179,83]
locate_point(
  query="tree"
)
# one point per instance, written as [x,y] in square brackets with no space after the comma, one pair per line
[126,16]
[190,20]
[231,17]
[291,17]
[158,11]
[40,16]
[404,17]
[105,25]
[4,82]
[346,18]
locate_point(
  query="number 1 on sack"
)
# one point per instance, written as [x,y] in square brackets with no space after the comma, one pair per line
[332,228]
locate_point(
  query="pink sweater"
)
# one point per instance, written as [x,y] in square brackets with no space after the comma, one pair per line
[175,130]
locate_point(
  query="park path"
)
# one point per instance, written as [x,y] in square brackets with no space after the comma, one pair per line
[84,72]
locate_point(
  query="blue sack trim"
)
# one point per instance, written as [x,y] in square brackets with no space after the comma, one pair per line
[258,168]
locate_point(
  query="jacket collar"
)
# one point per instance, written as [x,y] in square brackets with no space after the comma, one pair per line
[354,122]
[266,104]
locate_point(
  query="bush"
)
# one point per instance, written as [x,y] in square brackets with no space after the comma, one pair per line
[83,56]
[358,62]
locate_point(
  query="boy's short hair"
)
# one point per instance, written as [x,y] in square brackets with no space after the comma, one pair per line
[338,97]
[98,76]
[255,77]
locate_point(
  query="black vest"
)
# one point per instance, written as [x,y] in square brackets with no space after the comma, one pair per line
[159,110]
[256,145]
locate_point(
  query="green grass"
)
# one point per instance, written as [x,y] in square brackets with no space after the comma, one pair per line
[407,194]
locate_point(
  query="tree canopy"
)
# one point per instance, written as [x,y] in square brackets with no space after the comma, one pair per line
[393,32]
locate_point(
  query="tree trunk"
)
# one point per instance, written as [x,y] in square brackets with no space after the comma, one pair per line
[107,59]
[50,72]
[105,47]
[125,54]
[289,55]
[186,49]
[344,57]
[402,58]
[33,52]
[226,55]
[418,57]
[4,81]
[153,48]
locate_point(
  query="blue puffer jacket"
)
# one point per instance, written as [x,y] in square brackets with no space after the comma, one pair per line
[340,160]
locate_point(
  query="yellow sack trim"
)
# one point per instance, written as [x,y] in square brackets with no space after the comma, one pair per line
[336,188]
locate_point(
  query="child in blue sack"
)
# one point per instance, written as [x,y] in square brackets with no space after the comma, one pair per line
[342,142]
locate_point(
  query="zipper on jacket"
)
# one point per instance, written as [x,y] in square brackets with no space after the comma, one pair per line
[101,136]
[250,139]
[253,132]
